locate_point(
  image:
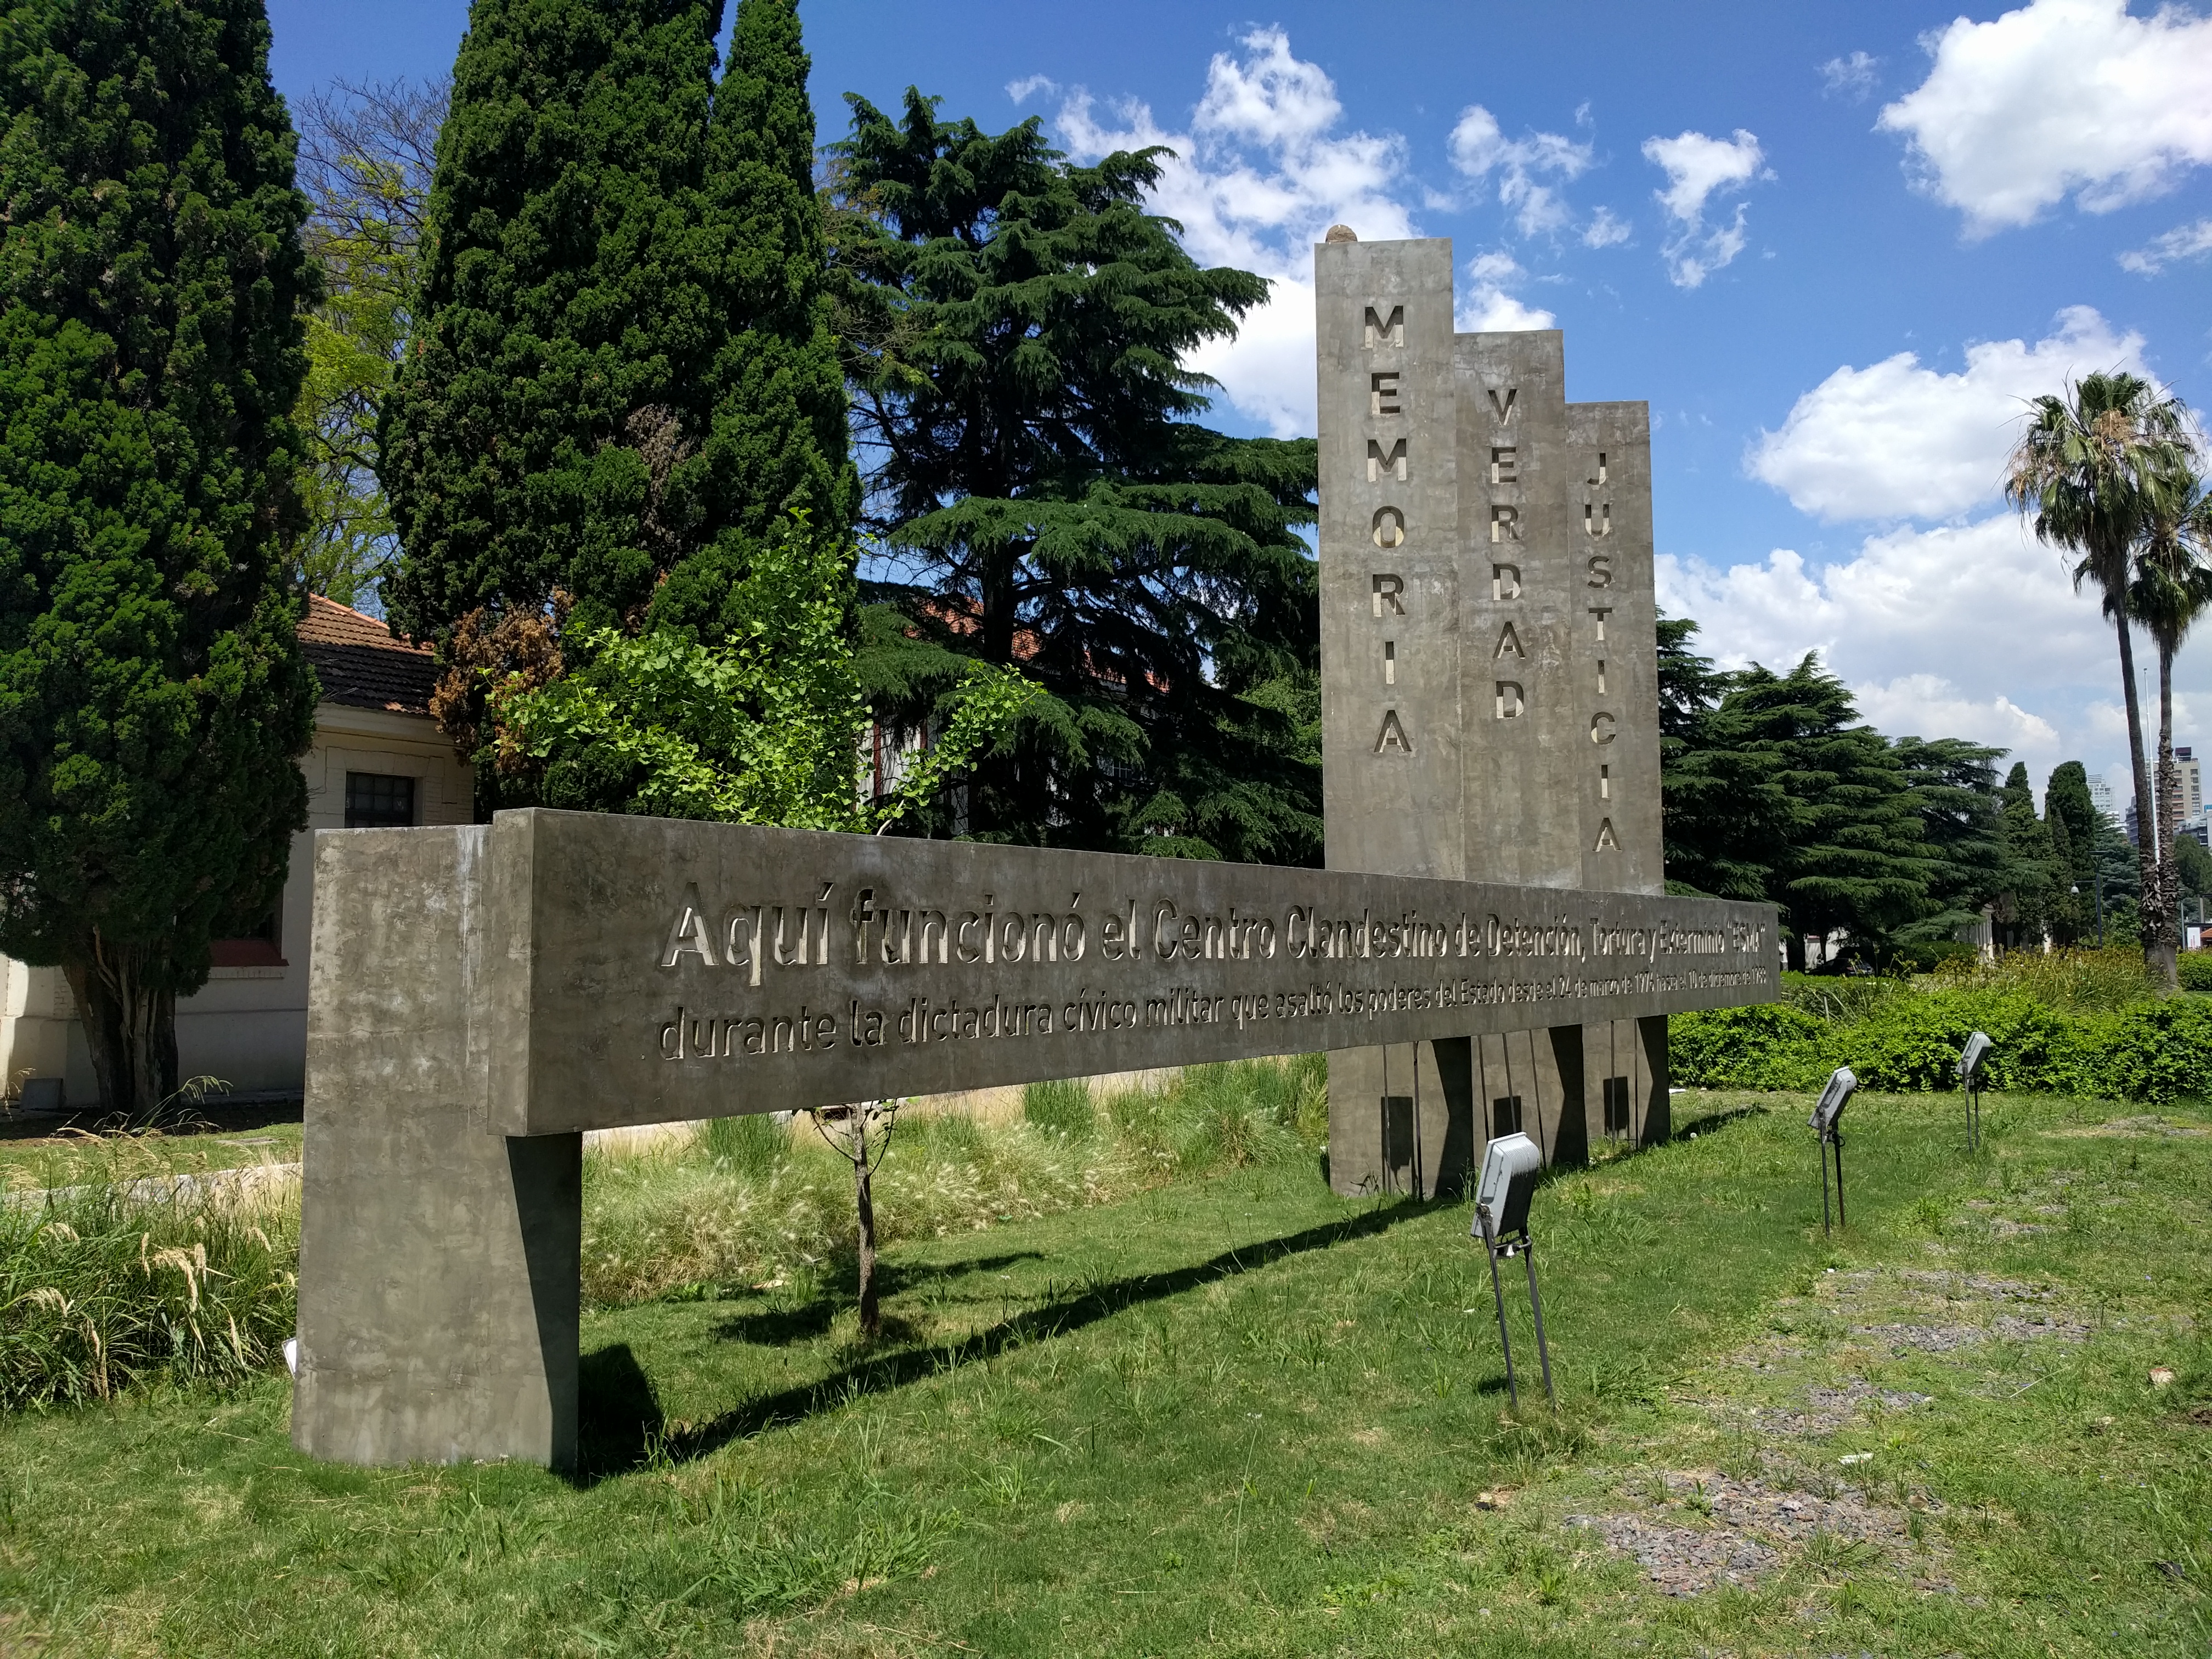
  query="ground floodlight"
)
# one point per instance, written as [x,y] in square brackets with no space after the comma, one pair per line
[1501,1222]
[1827,1118]
[1509,1181]
[1970,1081]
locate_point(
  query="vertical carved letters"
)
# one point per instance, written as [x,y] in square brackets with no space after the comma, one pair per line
[1601,575]
[1505,524]
[1505,582]
[1601,471]
[1505,464]
[1385,330]
[1510,701]
[1389,662]
[1606,842]
[1388,588]
[1605,783]
[1508,642]
[1504,410]
[1597,523]
[1379,462]
[1393,735]
[1601,677]
[1601,611]
[1602,727]
[1389,528]
[1383,393]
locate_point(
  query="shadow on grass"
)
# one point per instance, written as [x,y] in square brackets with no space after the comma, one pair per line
[781,1325]
[616,1393]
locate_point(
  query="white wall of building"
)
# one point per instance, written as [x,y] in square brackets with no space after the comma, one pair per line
[248,1026]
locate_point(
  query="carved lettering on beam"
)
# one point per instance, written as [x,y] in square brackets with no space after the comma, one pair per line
[1601,611]
[1601,677]
[1601,471]
[1388,588]
[1601,575]
[1383,393]
[1380,461]
[1602,727]
[1389,662]
[1510,700]
[1597,523]
[1393,735]
[1504,464]
[1605,783]
[1505,524]
[1606,841]
[1391,331]
[1389,528]
[1505,582]
[1503,408]
[1508,640]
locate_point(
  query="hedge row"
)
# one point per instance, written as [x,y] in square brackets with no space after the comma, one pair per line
[2157,1052]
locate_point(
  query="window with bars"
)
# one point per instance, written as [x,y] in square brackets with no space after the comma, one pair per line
[379,800]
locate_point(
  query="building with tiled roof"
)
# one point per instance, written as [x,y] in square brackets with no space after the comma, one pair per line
[377,760]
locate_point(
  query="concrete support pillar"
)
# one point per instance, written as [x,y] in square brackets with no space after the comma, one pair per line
[439,1262]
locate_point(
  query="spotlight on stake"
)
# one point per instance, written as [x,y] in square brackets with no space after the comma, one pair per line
[1501,1222]
[1970,1079]
[1826,1119]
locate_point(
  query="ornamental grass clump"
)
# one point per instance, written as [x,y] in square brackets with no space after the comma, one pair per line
[104,1286]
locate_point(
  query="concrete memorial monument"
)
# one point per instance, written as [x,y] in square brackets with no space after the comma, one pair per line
[481,995]
[1489,689]
[1492,923]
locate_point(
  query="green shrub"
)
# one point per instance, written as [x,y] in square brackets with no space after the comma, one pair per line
[2197,970]
[102,1287]
[1769,1046]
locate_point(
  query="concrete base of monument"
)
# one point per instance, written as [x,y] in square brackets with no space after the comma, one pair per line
[1411,1119]
[445,1260]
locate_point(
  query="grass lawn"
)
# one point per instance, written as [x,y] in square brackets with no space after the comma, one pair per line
[1240,1415]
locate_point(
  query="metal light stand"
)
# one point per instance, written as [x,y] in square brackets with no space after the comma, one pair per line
[1970,1080]
[1501,1219]
[1826,1123]
[1831,1137]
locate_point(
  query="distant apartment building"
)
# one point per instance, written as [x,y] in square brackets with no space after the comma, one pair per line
[377,761]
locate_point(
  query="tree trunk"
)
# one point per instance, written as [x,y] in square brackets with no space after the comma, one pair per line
[130,1027]
[2165,938]
[2158,939]
[871,1318]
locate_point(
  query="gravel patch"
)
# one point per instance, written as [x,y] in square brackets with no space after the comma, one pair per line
[1827,1410]
[1949,1338]
[1716,1529]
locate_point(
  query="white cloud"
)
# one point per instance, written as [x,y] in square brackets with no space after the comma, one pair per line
[1258,178]
[1604,230]
[2061,96]
[1697,168]
[1896,440]
[1852,77]
[1487,307]
[1479,148]
[2023,658]
[1030,86]
[2183,242]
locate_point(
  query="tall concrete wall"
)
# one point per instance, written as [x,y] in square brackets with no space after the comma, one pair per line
[1489,671]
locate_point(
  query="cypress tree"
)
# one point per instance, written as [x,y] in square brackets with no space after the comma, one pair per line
[152,693]
[778,440]
[2038,882]
[1044,496]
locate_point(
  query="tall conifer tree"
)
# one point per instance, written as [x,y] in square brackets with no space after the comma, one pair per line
[152,693]
[778,440]
[1019,329]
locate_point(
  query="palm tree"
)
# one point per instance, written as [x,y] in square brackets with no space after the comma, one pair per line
[2172,588]
[2090,469]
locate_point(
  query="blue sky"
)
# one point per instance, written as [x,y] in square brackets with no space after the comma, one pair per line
[1833,245]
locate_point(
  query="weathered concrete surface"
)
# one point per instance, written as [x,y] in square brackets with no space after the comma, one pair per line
[482,996]
[438,1261]
[1489,681]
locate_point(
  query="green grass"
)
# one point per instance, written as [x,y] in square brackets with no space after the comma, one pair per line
[32,1155]
[1239,1415]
